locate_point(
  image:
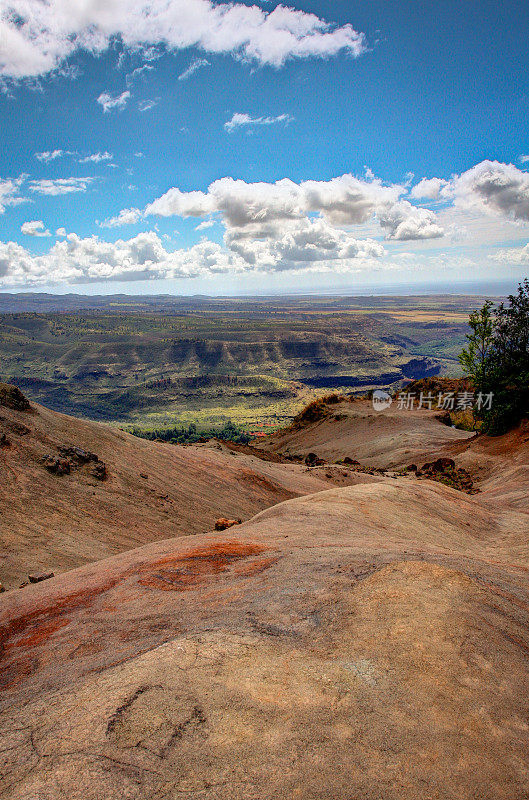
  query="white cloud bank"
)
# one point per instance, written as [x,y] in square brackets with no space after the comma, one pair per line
[516,256]
[268,209]
[76,260]
[273,227]
[37,36]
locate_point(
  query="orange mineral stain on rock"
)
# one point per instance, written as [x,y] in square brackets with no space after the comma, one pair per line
[195,567]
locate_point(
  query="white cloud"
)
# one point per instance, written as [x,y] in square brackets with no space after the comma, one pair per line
[517,256]
[428,189]
[51,155]
[128,216]
[207,223]
[35,228]
[268,209]
[146,105]
[194,66]
[60,232]
[58,186]
[109,102]
[74,260]
[491,187]
[96,158]
[181,204]
[137,73]
[305,243]
[404,222]
[37,37]
[10,192]
[245,121]
[524,159]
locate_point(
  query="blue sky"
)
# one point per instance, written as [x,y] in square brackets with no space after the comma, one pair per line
[102,113]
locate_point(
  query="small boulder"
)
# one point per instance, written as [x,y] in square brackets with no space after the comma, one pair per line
[37,577]
[312,460]
[351,461]
[222,523]
[99,471]
[58,466]
[2,588]
[78,453]
[4,441]
[412,468]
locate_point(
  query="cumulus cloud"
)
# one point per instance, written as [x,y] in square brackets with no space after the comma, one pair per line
[38,36]
[524,159]
[428,188]
[404,222]
[307,243]
[268,209]
[492,187]
[34,228]
[194,66]
[74,260]
[60,232]
[96,158]
[517,256]
[110,102]
[58,186]
[181,204]
[245,121]
[128,216]
[207,223]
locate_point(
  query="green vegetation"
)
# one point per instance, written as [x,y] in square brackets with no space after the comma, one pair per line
[191,435]
[497,361]
[159,363]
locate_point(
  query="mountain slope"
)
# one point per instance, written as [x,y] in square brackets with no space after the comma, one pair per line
[151,491]
[386,439]
[364,641]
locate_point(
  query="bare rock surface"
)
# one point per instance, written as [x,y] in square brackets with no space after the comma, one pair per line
[73,491]
[367,641]
[387,439]
[361,642]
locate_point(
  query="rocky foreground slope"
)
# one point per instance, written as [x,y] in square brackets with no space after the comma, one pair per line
[73,491]
[366,641]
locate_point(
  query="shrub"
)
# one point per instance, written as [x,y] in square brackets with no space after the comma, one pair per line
[497,360]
